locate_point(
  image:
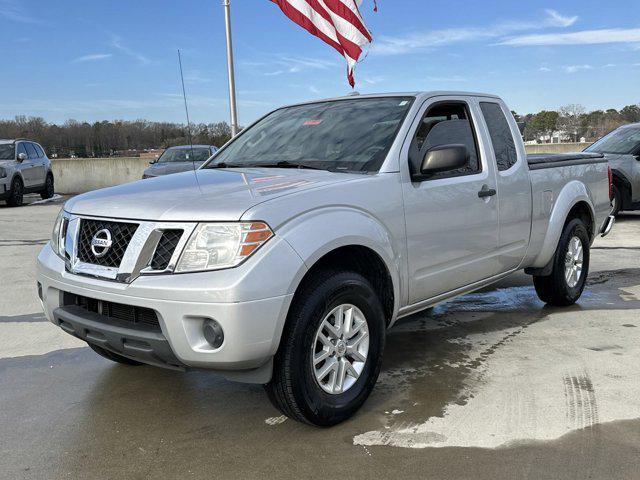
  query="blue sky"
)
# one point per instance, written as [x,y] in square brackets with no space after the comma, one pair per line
[108,59]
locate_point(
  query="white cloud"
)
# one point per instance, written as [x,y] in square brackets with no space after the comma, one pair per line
[388,45]
[92,57]
[576,68]
[196,77]
[116,42]
[12,10]
[314,90]
[585,37]
[558,20]
[544,69]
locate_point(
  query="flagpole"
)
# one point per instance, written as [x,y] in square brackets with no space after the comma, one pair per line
[230,69]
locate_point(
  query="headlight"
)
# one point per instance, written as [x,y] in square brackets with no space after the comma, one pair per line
[214,246]
[59,234]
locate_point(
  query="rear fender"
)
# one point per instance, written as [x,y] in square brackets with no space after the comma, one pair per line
[573,193]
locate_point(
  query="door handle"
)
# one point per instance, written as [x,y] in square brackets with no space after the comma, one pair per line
[487,192]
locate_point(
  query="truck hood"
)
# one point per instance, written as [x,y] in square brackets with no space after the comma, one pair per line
[203,195]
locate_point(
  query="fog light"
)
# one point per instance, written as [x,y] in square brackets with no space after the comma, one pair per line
[213,333]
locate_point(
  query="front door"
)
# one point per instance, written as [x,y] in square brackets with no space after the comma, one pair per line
[452,228]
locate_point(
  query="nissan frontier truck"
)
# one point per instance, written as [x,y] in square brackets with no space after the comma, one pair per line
[285,258]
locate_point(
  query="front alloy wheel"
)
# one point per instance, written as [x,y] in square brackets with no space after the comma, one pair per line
[340,350]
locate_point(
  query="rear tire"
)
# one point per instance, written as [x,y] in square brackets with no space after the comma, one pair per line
[16,196]
[570,267]
[49,189]
[297,388]
[616,202]
[114,357]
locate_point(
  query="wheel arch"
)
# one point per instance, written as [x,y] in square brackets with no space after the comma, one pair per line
[348,239]
[572,202]
[621,181]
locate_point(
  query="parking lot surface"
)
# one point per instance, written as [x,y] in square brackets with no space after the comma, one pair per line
[491,385]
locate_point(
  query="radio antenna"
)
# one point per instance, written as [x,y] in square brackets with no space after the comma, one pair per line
[186,109]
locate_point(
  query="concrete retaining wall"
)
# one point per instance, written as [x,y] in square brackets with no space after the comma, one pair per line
[557,147]
[78,175]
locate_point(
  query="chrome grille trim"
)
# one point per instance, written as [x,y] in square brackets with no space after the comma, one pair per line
[138,255]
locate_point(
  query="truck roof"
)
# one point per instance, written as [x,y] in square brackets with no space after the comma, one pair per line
[417,94]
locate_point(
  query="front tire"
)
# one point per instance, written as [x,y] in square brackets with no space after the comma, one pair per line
[331,350]
[570,267]
[16,197]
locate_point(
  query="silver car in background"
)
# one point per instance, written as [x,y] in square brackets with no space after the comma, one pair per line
[24,168]
[179,159]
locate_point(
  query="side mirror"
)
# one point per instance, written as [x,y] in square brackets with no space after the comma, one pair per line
[22,157]
[444,158]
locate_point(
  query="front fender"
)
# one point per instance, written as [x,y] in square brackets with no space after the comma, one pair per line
[318,232]
[573,193]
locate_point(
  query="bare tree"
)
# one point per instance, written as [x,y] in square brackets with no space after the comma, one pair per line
[570,120]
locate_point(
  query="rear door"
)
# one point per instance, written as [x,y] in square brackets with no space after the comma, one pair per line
[39,165]
[452,232]
[26,167]
[513,183]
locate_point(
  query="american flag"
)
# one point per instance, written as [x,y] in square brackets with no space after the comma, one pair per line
[336,22]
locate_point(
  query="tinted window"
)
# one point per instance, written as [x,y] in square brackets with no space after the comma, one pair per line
[503,145]
[445,124]
[31,151]
[623,141]
[345,135]
[39,150]
[21,149]
[185,155]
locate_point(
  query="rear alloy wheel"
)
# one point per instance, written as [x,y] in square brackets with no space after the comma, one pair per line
[16,196]
[49,189]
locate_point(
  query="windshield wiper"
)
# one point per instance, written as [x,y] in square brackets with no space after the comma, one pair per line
[224,165]
[286,164]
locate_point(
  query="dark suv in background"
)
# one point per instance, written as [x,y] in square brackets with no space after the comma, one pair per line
[24,168]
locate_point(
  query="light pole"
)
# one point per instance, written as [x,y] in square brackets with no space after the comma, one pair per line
[230,69]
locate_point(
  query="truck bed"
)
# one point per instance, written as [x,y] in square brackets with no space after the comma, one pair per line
[548,160]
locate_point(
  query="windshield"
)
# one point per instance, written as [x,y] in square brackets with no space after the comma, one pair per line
[623,141]
[345,135]
[185,155]
[7,151]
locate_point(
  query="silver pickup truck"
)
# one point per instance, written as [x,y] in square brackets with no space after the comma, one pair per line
[285,258]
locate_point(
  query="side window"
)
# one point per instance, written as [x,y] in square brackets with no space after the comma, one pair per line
[501,136]
[21,149]
[39,150]
[31,151]
[445,124]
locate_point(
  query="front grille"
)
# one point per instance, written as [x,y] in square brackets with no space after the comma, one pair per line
[165,249]
[121,235]
[136,316]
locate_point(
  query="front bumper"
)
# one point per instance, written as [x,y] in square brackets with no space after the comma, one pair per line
[252,325]
[5,188]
